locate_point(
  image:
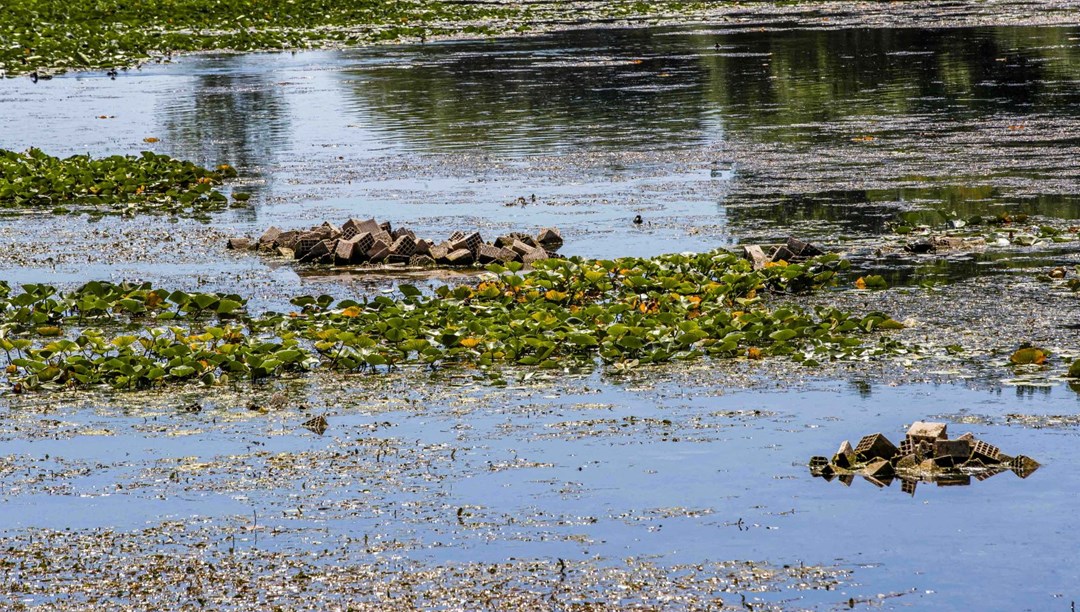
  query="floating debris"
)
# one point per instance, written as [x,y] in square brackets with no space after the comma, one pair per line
[317,424]
[373,243]
[925,455]
[792,251]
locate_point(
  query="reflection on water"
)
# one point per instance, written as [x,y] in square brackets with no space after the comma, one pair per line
[910,484]
[877,211]
[902,269]
[599,88]
[230,116]
[673,87]
[817,76]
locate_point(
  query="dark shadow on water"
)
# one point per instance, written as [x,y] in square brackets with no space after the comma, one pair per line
[905,270]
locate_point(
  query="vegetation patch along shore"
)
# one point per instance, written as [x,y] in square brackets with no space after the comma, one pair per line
[622,312]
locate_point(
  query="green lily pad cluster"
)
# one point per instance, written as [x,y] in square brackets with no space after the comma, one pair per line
[115,184]
[46,36]
[622,312]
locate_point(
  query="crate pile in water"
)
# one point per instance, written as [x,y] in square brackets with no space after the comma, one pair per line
[925,455]
[371,242]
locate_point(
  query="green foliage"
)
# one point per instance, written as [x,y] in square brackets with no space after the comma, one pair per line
[623,312]
[49,36]
[118,184]
[1074,369]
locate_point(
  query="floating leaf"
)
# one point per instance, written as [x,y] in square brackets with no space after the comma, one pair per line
[1028,355]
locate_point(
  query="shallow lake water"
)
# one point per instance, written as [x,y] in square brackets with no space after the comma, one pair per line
[716,137]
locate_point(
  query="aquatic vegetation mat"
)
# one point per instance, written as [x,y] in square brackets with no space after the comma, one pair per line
[119,184]
[925,455]
[624,313]
[41,37]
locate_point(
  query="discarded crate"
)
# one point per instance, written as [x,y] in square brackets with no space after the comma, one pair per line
[270,236]
[1023,466]
[489,254]
[403,231]
[908,485]
[845,455]
[405,246]
[439,252]
[906,447]
[521,248]
[549,237]
[879,468]
[318,424]
[535,255]
[324,249]
[907,461]
[509,239]
[343,254]
[459,257]
[782,253]
[958,450]
[378,253]
[364,241]
[803,250]
[880,483]
[922,431]
[303,245]
[755,255]
[985,452]
[421,261]
[817,464]
[875,446]
[470,243]
[926,454]
[373,242]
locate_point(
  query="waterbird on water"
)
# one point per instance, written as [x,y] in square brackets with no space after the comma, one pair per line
[637,220]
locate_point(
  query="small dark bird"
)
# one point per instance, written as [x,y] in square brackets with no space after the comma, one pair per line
[112,73]
[637,220]
[34,76]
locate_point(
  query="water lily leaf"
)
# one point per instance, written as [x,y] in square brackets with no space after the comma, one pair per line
[1028,355]
[783,335]
[1074,369]
[583,339]
[409,291]
[181,371]
[204,300]
[228,306]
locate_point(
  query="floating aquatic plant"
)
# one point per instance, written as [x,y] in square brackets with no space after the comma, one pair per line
[625,312]
[115,184]
[42,37]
